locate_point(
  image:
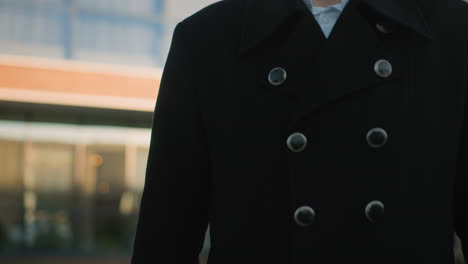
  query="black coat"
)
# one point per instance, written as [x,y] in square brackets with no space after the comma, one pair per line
[355,150]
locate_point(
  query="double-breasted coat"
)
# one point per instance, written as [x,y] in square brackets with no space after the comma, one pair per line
[296,148]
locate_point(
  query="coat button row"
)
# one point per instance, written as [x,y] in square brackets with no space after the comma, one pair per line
[305,215]
[376,138]
[278,75]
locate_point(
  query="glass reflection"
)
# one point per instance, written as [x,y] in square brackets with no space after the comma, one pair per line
[70,189]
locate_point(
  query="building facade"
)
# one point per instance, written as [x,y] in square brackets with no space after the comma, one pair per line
[78,84]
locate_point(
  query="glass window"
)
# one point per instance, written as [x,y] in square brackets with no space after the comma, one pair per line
[108,31]
[52,167]
[27,30]
[48,197]
[10,165]
[141,160]
[134,6]
[11,208]
[107,165]
[70,189]
[118,40]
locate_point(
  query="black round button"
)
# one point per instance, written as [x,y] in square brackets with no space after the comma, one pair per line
[383,68]
[297,142]
[374,211]
[304,216]
[277,76]
[377,137]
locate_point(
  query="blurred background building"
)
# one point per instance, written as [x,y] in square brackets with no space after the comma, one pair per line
[78,83]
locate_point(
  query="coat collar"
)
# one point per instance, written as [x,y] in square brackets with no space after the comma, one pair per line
[404,12]
[263,17]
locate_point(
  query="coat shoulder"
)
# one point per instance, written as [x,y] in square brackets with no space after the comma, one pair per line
[458,12]
[213,33]
[211,37]
[462,19]
[217,18]
[462,6]
[448,19]
[445,11]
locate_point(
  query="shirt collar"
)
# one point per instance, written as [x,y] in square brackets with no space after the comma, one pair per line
[260,22]
[317,10]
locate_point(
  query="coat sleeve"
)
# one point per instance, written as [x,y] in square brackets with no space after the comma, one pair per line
[173,213]
[461,181]
[461,191]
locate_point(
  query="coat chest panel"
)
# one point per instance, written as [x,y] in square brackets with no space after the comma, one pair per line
[334,106]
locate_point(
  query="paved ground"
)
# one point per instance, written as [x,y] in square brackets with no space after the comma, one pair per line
[65,260]
[80,260]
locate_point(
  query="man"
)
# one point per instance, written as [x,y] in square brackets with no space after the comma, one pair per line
[301,144]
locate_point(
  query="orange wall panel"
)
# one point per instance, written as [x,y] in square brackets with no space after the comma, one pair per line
[76,82]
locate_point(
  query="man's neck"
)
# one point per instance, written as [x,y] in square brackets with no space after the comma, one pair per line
[325,3]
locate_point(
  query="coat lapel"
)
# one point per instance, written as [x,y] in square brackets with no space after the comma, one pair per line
[344,65]
[406,13]
[262,18]
[322,71]
[346,61]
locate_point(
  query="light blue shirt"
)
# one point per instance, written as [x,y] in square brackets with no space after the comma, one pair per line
[326,16]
